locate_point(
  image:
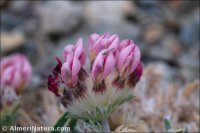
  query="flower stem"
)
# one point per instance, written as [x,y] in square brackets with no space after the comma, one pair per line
[105,125]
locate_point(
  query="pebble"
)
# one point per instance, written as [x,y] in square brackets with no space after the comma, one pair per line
[172,44]
[11,40]
[189,34]
[20,7]
[58,17]
[107,11]
[10,21]
[153,32]
[107,16]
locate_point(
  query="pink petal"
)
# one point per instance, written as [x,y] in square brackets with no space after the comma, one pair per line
[109,65]
[139,70]
[82,58]
[123,55]
[98,46]
[79,52]
[27,72]
[68,49]
[92,39]
[66,72]
[114,42]
[136,59]
[106,35]
[76,66]
[69,59]
[125,43]
[97,65]
[104,43]
[101,42]
[79,48]
[17,79]
[6,76]
[128,60]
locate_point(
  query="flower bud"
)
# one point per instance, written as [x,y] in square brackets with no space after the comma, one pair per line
[74,57]
[66,78]
[75,50]
[103,64]
[97,43]
[70,70]
[128,57]
[15,75]
[16,72]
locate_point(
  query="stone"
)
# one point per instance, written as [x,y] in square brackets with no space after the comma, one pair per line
[153,32]
[59,17]
[189,34]
[11,40]
[140,126]
[172,43]
[108,16]
[18,6]
[10,21]
[160,53]
[112,12]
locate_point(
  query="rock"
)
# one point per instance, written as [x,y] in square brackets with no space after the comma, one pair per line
[10,21]
[108,16]
[30,27]
[18,6]
[189,34]
[190,67]
[147,3]
[11,40]
[172,43]
[3,3]
[153,33]
[160,53]
[140,126]
[21,8]
[112,12]
[59,17]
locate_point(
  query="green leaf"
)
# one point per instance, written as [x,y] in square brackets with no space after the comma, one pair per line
[71,123]
[181,131]
[109,108]
[93,125]
[61,122]
[167,124]
[9,114]
[99,113]
[15,109]
[65,121]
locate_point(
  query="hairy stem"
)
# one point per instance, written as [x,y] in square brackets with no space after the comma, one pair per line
[105,125]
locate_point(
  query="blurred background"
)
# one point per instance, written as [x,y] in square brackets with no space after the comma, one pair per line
[167,33]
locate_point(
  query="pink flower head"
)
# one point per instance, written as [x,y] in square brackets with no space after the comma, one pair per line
[97,43]
[128,57]
[74,57]
[75,50]
[103,64]
[115,70]
[16,72]
[70,70]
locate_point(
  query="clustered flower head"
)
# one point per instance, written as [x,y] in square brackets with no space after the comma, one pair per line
[15,75]
[95,90]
